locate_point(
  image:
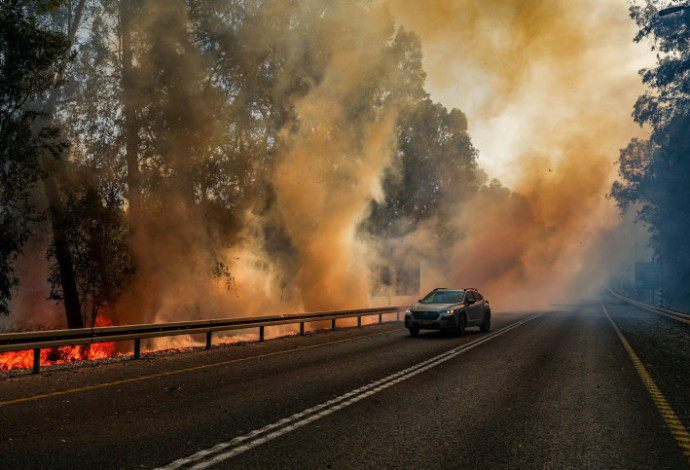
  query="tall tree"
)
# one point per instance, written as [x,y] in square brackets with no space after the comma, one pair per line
[435,159]
[53,170]
[89,225]
[129,98]
[654,173]
[31,60]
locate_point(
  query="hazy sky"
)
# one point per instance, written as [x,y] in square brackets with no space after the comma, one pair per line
[528,73]
[548,88]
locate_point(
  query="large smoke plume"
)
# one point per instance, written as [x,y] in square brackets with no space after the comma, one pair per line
[297,248]
[547,87]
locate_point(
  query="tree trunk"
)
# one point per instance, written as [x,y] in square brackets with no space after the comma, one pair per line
[63,255]
[61,241]
[131,127]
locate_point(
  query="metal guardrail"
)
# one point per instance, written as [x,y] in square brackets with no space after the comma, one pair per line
[672,314]
[38,340]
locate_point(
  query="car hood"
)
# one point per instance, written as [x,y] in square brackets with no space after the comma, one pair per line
[433,307]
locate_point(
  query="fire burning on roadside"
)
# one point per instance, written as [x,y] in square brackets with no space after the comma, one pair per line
[51,356]
[25,359]
[545,86]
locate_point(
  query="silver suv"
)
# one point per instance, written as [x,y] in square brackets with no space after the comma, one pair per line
[449,309]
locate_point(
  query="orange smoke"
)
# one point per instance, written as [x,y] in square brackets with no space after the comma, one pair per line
[548,88]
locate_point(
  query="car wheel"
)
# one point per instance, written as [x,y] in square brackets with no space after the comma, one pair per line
[462,325]
[486,324]
[414,331]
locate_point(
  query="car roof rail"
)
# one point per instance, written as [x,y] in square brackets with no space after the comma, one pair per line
[440,288]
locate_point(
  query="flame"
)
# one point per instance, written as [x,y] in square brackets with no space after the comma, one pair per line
[25,359]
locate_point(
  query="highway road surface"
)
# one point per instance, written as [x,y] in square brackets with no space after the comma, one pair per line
[597,385]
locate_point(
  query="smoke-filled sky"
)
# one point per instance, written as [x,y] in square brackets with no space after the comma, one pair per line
[548,88]
[530,74]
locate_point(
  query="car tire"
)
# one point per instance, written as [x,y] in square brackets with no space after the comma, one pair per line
[462,325]
[414,331]
[486,324]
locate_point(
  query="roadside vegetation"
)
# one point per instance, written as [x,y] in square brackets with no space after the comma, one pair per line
[149,135]
[655,172]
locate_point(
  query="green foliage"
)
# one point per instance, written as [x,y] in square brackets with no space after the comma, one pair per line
[98,237]
[654,173]
[435,163]
[185,106]
[29,58]
[433,171]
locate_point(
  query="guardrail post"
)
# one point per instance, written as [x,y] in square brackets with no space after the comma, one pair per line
[137,332]
[37,360]
[397,315]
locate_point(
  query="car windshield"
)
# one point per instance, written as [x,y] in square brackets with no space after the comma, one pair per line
[444,297]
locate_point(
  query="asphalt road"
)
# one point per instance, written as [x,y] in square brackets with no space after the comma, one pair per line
[551,390]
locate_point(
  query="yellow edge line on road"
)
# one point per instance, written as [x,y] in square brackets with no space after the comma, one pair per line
[670,418]
[189,369]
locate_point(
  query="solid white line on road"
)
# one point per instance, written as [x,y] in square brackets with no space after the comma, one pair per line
[225,450]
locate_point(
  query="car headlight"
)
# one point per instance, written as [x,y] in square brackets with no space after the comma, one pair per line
[447,313]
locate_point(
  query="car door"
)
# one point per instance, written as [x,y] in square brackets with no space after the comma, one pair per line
[471,308]
[479,307]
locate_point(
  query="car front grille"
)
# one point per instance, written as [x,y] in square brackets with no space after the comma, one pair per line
[425,315]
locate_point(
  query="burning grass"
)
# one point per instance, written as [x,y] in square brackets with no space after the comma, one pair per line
[51,356]
[25,359]
[18,360]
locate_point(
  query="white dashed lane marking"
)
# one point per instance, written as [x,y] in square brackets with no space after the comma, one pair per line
[226,450]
